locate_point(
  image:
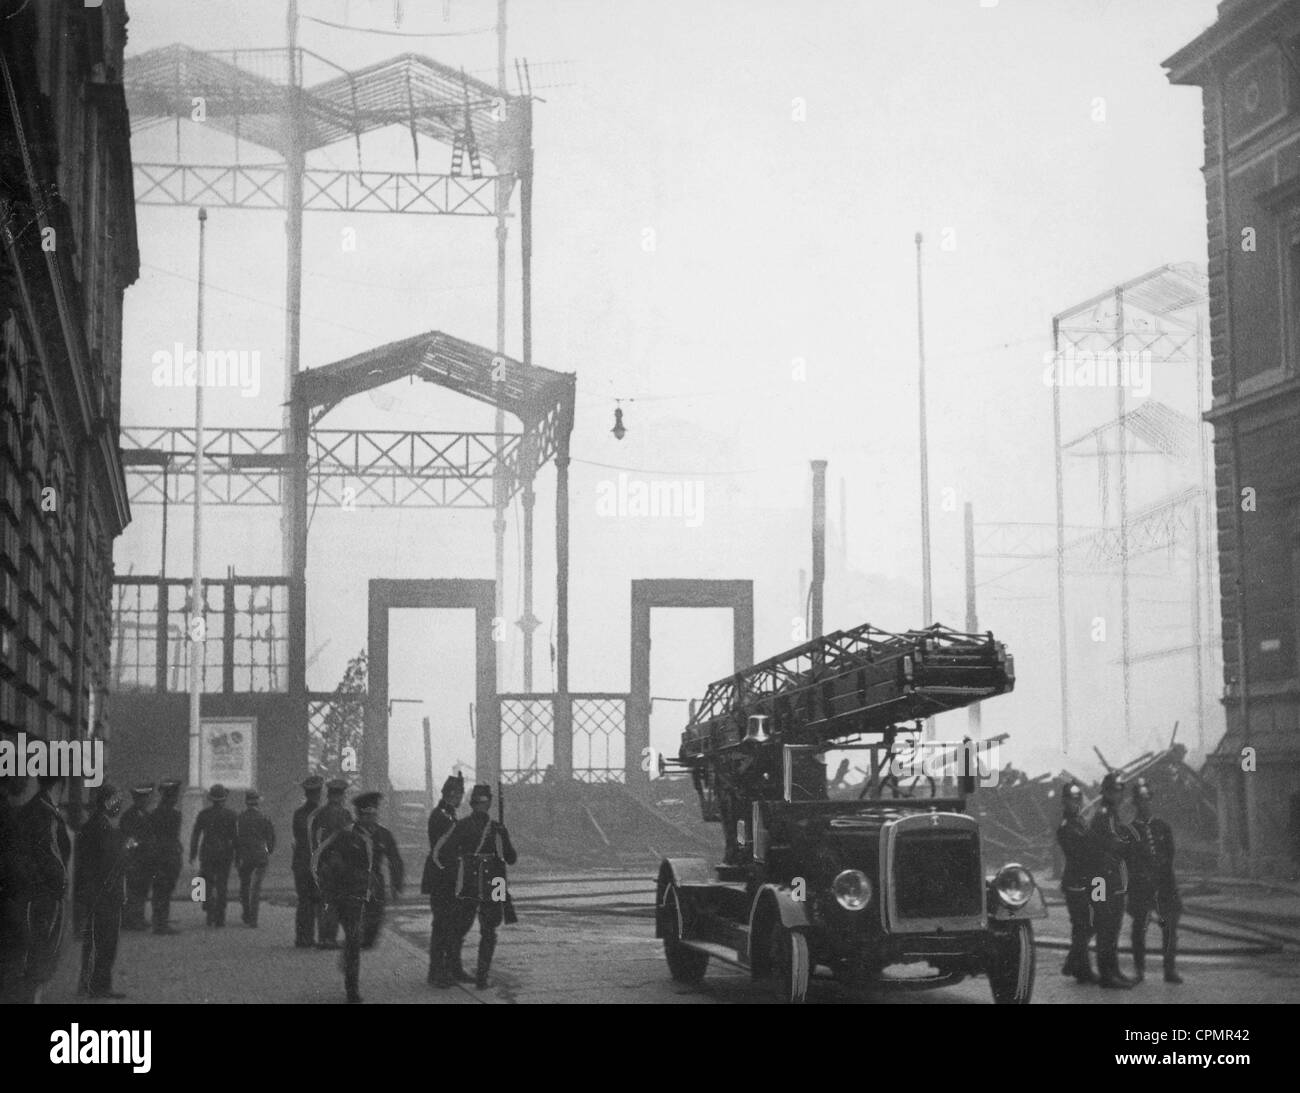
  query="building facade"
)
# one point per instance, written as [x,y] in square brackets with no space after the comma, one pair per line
[67,253]
[1248,68]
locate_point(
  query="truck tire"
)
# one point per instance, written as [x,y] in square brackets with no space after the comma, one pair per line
[789,968]
[1011,969]
[685,965]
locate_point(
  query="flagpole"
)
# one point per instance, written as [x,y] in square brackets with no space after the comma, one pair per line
[196,621]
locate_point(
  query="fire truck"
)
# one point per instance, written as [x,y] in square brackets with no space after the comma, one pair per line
[881,884]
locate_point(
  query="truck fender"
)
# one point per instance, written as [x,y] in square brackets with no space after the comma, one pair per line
[774,901]
[685,873]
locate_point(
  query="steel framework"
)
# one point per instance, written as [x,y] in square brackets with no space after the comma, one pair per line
[260,96]
[1162,316]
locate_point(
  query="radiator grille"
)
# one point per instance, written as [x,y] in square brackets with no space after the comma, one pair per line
[937,874]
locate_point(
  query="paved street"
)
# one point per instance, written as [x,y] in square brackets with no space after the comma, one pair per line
[587,938]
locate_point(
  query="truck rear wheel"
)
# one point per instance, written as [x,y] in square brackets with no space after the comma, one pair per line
[1011,969]
[788,964]
[685,965]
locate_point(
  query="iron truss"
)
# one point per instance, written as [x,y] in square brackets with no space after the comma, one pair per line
[261,186]
[1164,525]
[347,467]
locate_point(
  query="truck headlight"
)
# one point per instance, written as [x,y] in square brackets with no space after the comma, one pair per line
[852,889]
[1014,885]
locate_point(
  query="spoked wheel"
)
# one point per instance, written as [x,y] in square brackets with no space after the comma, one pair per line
[788,964]
[1011,973]
[685,965]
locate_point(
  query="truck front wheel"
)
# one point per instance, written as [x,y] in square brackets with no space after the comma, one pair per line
[788,964]
[1011,966]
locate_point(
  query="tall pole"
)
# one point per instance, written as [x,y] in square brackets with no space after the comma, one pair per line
[1059,466]
[503,187]
[1120,408]
[293,518]
[972,618]
[196,620]
[818,545]
[927,602]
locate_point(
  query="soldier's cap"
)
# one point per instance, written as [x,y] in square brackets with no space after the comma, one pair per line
[367,802]
[1141,789]
[103,794]
[480,792]
[142,790]
[314,782]
[169,785]
[1073,791]
[337,785]
[252,797]
[454,784]
[1113,780]
[218,792]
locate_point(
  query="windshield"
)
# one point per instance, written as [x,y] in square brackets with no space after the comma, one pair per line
[912,769]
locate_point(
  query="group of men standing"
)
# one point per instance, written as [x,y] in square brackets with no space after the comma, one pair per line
[118,857]
[1111,865]
[338,870]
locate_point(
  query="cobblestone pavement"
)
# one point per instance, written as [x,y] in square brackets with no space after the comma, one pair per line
[584,938]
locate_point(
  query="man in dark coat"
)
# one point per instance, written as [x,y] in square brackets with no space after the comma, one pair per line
[165,849]
[478,849]
[1076,882]
[212,842]
[1111,848]
[46,845]
[304,884]
[445,937]
[14,885]
[332,817]
[101,871]
[255,842]
[1152,885]
[349,869]
[136,834]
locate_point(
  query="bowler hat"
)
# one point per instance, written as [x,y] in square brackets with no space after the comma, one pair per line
[217,792]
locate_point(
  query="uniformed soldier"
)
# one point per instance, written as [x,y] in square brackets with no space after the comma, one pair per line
[1111,846]
[1152,885]
[333,816]
[214,828]
[479,849]
[255,842]
[135,829]
[445,967]
[101,870]
[43,836]
[1076,882]
[349,869]
[308,914]
[165,847]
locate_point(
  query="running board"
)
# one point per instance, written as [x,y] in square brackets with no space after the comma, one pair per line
[724,953]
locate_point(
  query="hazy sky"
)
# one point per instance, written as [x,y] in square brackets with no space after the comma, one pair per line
[783,154]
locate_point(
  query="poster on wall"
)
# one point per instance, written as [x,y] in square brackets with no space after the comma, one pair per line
[228,753]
